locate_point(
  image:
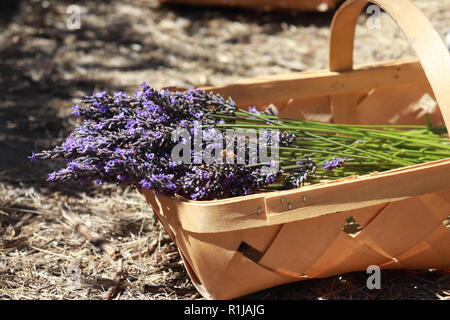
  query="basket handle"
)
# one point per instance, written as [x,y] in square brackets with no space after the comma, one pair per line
[428,46]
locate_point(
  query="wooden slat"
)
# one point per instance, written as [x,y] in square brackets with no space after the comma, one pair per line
[322,83]
[343,107]
[314,109]
[433,252]
[344,254]
[400,226]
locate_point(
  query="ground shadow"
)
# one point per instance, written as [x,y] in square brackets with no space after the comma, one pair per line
[261,17]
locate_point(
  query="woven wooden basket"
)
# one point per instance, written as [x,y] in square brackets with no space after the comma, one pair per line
[301,5]
[240,245]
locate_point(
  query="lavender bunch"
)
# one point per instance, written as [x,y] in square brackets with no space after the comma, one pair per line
[128,140]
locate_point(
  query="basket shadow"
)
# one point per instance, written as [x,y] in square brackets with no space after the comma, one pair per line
[271,20]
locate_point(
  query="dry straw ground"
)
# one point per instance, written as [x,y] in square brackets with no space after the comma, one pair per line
[45,68]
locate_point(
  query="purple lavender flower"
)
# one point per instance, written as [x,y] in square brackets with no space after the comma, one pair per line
[76,111]
[100,94]
[253,110]
[74,165]
[198,115]
[334,163]
[146,184]
[270,179]
[119,97]
[298,178]
[52,176]
[34,157]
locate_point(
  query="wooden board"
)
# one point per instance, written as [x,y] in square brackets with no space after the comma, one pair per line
[301,5]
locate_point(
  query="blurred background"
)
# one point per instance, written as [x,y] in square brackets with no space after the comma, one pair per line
[54,52]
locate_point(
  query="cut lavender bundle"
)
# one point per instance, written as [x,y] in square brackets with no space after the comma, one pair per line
[200,146]
[128,140]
